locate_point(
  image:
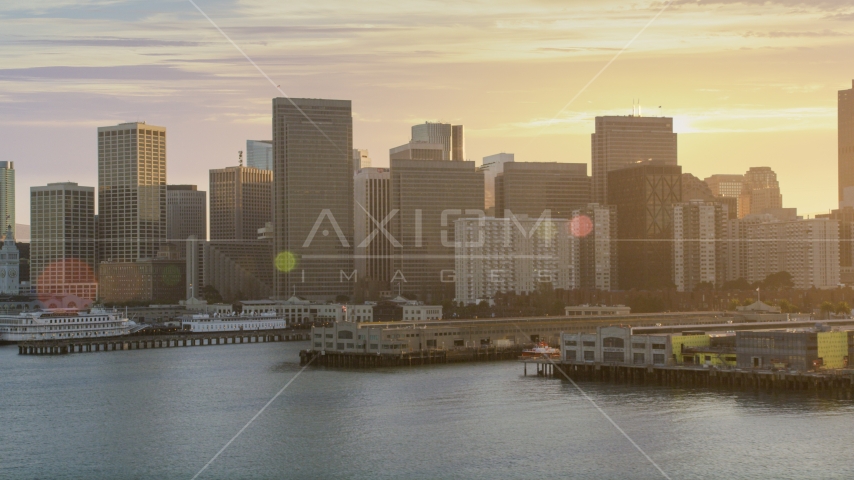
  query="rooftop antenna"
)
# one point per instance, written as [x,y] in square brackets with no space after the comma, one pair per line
[240,157]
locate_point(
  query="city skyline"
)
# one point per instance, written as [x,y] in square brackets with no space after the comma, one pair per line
[751,99]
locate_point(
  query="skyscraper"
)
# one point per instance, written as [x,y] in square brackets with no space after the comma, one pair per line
[417,151]
[429,196]
[373,249]
[240,202]
[698,247]
[186,214]
[449,136]
[760,192]
[313,197]
[360,159]
[492,166]
[531,188]
[620,142]
[259,154]
[7,195]
[644,195]
[594,231]
[63,244]
[846,139]
[131,191]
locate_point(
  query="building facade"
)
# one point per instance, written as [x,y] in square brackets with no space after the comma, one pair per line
[186,213]
[450,137]
[238,271]
[534,188]
[429,196]
[240,202]
[761,245]
[63,246]
[620,142]
[313,197]
[131,191]
[512,255]
[615,345]
[259,154]
[151,281]
[760,192]
[10,265]
[361,159]
[594,231]
[492,166]
[7,194]
[698,248]
[373,249]
[644,196]
[417,151]
[846,139]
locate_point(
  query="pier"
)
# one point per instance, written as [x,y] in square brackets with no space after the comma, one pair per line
[143,342]
[407,359]
[837,383]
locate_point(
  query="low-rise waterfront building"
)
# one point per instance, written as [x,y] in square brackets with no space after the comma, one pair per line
[803,350]
[615,345]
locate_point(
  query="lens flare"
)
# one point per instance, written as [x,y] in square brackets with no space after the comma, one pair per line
[285,261]
[581,226]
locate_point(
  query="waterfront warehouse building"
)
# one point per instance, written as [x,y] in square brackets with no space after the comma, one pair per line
[615,345]
[799,350]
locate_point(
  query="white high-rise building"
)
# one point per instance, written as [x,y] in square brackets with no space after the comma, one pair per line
[500,255]
[259,154]
[449,136]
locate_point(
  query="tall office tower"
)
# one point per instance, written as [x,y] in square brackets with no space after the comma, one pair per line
[360,159]
[501,255]
[458,143]
[416,151]
[428,197]
[698,253]
[846,139]
[186,214]
[240,202]
[727,190]
[760,192]
[63,241]
[644,195]
[622,141]
[259,154]
[131,191]
[531,188]
[806,249]
[492,166]
[372,247]
[450,137]
[594,230]
[845,216]
[7,195]
[313,188]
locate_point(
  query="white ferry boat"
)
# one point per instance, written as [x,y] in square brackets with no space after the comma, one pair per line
[204,323]
[64,324]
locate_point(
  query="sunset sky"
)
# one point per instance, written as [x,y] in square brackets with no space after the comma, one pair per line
[750,83]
